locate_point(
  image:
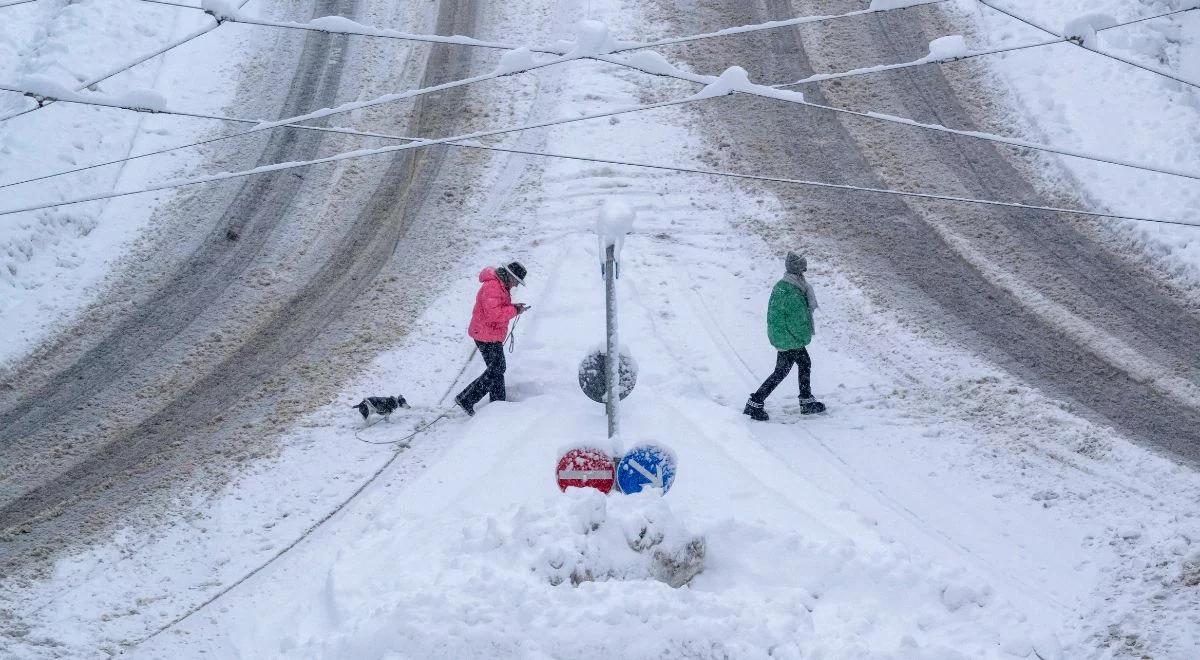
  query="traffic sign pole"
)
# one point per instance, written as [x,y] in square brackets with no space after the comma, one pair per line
[613,357]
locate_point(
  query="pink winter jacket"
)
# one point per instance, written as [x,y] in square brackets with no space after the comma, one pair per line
[493,309]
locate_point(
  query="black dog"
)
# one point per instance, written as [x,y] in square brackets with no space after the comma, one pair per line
[383,406]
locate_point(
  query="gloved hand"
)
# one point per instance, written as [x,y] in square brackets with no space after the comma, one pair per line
[521,307]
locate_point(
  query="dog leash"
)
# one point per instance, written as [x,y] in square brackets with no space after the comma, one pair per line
[512,345]
[370,424]
[421,428]
[512,334]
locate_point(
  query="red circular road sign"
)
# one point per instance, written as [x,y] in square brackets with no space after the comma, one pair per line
[586,468]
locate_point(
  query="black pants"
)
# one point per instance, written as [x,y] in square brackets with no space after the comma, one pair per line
[783,365]
[492,380]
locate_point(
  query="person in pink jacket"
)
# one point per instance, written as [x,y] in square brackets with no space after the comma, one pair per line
[494,308]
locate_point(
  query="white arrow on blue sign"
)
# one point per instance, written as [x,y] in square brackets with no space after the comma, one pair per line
[646,466]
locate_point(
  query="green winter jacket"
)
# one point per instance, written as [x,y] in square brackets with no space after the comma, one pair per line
[788,324]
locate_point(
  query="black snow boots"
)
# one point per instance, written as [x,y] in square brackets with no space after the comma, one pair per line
[755,410]
[810,406]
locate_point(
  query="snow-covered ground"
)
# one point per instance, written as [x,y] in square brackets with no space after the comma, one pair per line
[54,261]
[900,525]
[1079,99]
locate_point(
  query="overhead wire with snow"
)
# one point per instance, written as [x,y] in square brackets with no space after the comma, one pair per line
[767,92]
[361,153]
[958,57]
[461,141]
[1104,53]
[165,150]
[262,125]
[342,25]
[46,96]
[1150,18]
[837,186]
[773,25]
[95,80]
[338,25]
[924,61]
[671,72]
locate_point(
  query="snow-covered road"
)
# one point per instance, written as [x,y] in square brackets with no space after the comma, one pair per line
[1034,292]
[269,267]
[965,496]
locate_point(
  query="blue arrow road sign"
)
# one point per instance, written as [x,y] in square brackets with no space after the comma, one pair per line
[646,466]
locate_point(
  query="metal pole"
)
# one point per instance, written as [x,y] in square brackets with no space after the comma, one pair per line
[612,352]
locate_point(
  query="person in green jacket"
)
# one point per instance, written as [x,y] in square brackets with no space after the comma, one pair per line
[790,329]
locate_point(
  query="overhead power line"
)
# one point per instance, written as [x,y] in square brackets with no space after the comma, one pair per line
[836,186]
[372,31]
[13,3]
[342,25]
[465,142]
[1104,53]
[158,152]
[100,101]
[129,65]
[290,122]
[772,25]
[260,125]
[925,61]
[179,183]
[1000,139]
[181,5]
[658,70]
[876,116]
[350,27]
[1150,18]
[754,177]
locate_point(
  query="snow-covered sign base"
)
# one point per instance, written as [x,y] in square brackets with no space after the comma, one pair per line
[592,538]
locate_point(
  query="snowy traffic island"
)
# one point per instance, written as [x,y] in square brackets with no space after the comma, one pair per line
[662,549]
[590,537]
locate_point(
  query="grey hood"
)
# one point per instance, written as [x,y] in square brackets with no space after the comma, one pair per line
[795,265]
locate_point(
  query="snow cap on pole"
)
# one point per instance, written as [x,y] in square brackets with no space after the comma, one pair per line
[615,220]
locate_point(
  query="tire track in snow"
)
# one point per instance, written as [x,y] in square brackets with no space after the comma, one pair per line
[139,449]
[894,243]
